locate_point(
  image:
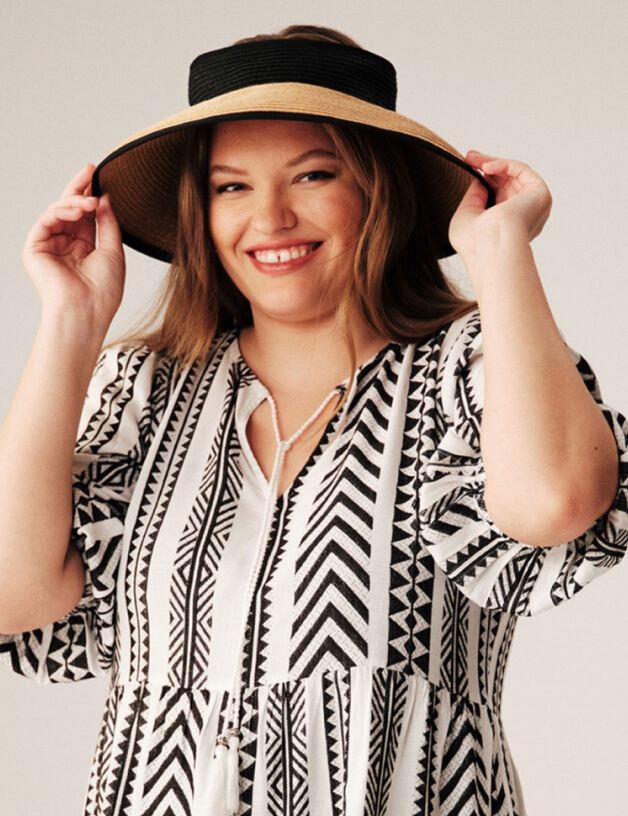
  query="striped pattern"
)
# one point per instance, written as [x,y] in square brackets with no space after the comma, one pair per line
[377,638]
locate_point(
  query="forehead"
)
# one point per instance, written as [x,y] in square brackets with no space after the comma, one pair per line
[260,134]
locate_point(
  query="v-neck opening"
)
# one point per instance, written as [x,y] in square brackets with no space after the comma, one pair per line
[321,446]
[323,441]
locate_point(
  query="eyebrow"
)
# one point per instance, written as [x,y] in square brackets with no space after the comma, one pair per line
[317,151]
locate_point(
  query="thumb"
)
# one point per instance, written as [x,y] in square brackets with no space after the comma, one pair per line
[475,197]
[473,203]
[109,234]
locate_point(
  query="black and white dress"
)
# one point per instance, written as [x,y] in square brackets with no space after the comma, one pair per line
[371,644]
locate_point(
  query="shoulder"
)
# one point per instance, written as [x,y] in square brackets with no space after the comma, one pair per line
[130,379]
[460,341]
[131,365]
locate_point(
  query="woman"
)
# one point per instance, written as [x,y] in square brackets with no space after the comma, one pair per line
[292,567]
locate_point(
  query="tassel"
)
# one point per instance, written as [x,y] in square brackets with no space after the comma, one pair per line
[233,773]
[217,780]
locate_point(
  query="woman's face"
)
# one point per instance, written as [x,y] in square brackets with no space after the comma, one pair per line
[276,197]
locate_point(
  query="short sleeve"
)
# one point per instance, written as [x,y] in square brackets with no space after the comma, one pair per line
[487,565]
[118,420]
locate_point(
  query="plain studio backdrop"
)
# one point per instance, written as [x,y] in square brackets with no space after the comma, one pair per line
[542,83]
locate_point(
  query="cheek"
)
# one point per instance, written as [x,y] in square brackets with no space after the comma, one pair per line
[346,212]
[223,227]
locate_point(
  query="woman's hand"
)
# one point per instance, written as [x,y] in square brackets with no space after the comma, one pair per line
[522,203]
[61,257]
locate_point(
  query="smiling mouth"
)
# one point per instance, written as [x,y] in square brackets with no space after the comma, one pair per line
[282,256]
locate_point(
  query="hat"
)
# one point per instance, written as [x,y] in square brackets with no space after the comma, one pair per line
[299,79]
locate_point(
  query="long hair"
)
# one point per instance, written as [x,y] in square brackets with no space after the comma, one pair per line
[396,281]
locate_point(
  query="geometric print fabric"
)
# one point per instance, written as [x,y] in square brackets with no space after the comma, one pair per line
[378,631]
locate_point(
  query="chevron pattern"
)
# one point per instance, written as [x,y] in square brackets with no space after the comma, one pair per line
[168,780]
[388,702]
[428,763]
[336,700]
[95,804]
[199,550]
[331,618]
[286,750]
[377,636]
[117,785]
[163,473]
[412,568]
[463,784]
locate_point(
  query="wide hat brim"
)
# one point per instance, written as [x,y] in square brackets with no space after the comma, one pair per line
[141,174]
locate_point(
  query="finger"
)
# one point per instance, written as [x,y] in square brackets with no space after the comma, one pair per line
[43,229]
[109,234]
[495,167]
[63,213]
[80,181]
[53,224]
[473,201]
[55,219]
[479,159]
[77,201]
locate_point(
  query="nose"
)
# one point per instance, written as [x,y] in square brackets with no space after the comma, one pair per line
[272,211]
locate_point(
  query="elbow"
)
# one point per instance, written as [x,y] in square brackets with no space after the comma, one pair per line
[545,522]
[549,516]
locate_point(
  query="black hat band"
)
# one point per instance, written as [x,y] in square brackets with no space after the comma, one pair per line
[344,68]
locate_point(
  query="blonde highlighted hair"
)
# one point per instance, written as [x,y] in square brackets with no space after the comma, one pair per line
[396,281]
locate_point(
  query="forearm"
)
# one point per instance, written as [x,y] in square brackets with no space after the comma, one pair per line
[37,440]
[550,458]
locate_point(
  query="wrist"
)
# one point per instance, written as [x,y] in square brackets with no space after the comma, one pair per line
[73,327]
[497,240]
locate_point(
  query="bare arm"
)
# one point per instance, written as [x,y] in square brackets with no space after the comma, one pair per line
[80,281]
[41,575]
[550,457]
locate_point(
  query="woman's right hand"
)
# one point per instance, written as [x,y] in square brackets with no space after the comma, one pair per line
[61,257]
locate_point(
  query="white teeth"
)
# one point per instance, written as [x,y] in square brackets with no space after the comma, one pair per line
[283,255]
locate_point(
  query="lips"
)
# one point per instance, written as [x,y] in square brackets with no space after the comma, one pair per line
[286,266]
[274,254]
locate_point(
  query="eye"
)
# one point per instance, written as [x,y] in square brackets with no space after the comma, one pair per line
[223,187]
[323,173]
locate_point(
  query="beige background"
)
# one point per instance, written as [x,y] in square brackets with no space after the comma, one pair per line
[543,83]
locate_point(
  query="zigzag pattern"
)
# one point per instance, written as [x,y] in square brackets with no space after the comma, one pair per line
[250,728]
[259,619]
[331,572]
[257,644]
[388,702]
[411,567]
[428,760]
[463,783]
[162,477]
[421,734]
[103,421]
[454,641]
[503,798]
[516,581]
[168,788]
[131,726]
[94,802]
[199,550]
[286,751]
[336,700]
[489,628]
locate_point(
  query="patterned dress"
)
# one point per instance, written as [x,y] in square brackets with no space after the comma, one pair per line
[368,652]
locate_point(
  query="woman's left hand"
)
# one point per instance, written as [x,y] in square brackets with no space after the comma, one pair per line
[522,201]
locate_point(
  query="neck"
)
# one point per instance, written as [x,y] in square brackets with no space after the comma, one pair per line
[287,356]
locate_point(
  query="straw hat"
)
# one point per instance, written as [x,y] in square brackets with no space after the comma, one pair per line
[300,79]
